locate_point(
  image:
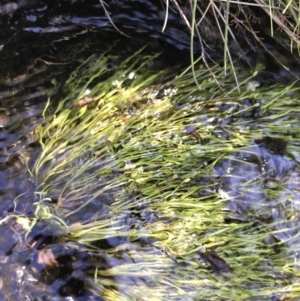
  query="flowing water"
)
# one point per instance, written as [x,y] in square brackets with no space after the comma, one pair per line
[254,186]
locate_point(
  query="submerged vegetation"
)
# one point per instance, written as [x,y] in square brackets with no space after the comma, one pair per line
[134,183]
[174,193]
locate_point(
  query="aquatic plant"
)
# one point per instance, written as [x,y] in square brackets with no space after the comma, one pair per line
[164,214]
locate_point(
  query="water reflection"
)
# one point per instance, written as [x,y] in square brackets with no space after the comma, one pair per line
[262,182]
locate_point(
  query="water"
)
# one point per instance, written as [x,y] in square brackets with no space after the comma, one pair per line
[186,219]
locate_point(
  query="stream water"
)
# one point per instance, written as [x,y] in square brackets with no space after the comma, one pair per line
[41,44]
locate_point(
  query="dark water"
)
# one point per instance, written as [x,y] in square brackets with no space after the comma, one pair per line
[41,44]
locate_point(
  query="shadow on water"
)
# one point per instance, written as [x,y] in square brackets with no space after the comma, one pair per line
[41,45]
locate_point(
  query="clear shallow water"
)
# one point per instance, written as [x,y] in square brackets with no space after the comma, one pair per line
[255,185]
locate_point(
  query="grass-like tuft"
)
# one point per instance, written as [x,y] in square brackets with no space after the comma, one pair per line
[251,33]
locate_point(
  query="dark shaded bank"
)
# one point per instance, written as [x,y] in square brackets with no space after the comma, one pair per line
[33,28]
[60,35]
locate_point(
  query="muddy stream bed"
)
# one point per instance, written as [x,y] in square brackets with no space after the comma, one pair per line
[121,180]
